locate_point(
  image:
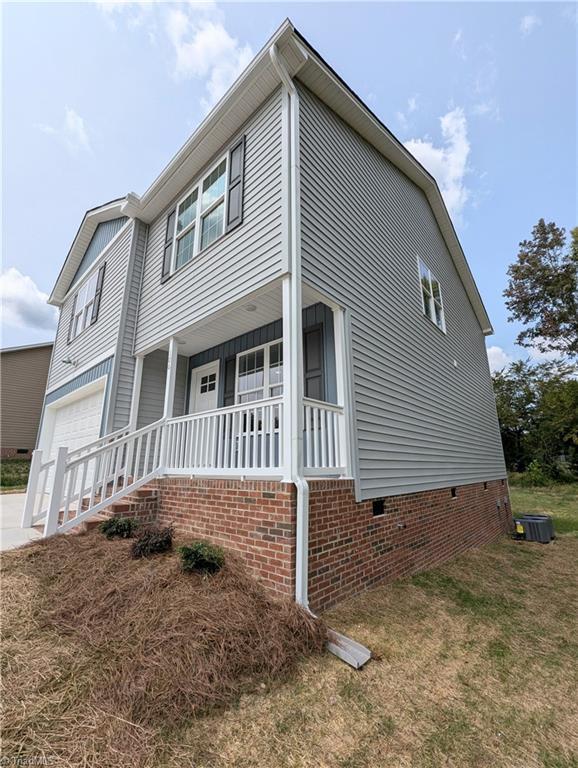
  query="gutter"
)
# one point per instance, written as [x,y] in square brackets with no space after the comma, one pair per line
[348,650]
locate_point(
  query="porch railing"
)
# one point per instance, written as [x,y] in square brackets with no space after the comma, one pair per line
[323,438]
[238,440]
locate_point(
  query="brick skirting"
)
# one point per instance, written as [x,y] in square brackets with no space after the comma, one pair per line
[350,549]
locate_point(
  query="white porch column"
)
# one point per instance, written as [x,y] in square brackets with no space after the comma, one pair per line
[136,385]
[171,378]
[343,374]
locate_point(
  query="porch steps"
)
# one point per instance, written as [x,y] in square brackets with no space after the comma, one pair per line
[122,508]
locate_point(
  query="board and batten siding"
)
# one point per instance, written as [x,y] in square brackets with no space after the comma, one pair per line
[425,409]
[245,259]
[102,336]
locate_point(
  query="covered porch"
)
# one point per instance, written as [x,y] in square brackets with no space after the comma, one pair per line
[223,388]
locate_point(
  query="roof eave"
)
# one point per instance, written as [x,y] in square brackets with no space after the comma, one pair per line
[91,219]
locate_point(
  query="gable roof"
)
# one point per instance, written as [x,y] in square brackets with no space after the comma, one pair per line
[92,218]
[258,81]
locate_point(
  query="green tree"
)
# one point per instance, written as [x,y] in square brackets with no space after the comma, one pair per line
[538,413]
[542,291]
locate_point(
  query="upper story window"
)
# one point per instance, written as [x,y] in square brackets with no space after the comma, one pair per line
[431,296]
[86,304]
[260,373]
[208,210]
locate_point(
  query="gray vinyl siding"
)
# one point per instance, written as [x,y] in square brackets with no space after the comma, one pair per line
[103,234]
[241,261]
[422,421]
[126,359]
[152,393]
[99,338]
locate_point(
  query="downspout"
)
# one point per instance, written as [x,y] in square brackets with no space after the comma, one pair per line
[295,361]
[348,650]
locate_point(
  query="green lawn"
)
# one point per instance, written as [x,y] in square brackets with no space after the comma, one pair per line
[475,666]
[14,474]
[560,501]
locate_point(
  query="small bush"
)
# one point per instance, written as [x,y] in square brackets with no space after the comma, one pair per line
[202,557]
[152,541]
[536,476]
[118,527]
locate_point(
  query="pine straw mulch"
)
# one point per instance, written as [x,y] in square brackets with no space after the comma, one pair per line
[103,656]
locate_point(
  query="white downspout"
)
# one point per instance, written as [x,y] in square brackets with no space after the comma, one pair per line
[346,649]
[295,349]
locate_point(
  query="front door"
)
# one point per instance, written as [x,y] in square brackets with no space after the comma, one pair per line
[204,388]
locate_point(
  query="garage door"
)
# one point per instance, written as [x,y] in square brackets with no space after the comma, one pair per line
[77,422]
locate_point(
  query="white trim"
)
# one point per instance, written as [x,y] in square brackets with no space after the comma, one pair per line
[78,284]
[266,367]
[432,300]
[93,363]
[193,379]
[136,389]
[172,362]
[197,223]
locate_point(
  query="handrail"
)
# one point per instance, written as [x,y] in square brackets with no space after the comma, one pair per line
[322,404]
[104,448]
[227,409]
[110,437]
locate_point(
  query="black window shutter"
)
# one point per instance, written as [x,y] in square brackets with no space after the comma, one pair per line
[235,187]
[229,390]
[168,247]
[97,295]
[71,323]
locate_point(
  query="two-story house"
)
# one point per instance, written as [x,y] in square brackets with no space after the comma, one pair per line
[279,346]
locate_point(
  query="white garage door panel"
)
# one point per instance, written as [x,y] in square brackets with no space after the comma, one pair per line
[77,423]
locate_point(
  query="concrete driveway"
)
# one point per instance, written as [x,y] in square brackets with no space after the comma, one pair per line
[11,534]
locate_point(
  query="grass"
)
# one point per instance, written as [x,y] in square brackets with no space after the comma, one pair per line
[560,501]
[14,474]
[476,666]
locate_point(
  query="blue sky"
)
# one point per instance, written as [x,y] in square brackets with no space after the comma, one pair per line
[97,97]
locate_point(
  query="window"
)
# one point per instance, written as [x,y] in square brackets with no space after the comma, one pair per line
[431,297]
[86,304]
[208,382]
[260,373]
[213,206]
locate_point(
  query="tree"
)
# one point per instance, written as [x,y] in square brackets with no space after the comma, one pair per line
[538,414]
[542,291]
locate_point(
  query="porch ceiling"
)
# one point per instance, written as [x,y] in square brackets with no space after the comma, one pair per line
[253,311]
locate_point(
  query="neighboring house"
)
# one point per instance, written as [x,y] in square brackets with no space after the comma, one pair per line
[23,376]
[281,336]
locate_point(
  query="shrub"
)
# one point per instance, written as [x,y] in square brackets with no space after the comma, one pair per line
[202,557]
[152,540]
[118,527]
[536,475]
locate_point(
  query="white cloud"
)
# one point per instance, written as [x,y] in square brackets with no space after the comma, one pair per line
[204,49]
[23,304]
[458,44]
[448,164]
[498,359]
[71,132]
[403,117]
[200,43]
[412,104]
[489,109]
[529,23]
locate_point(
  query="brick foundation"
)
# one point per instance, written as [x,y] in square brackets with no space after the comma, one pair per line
[12,453]
[254,518]
[350,549]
